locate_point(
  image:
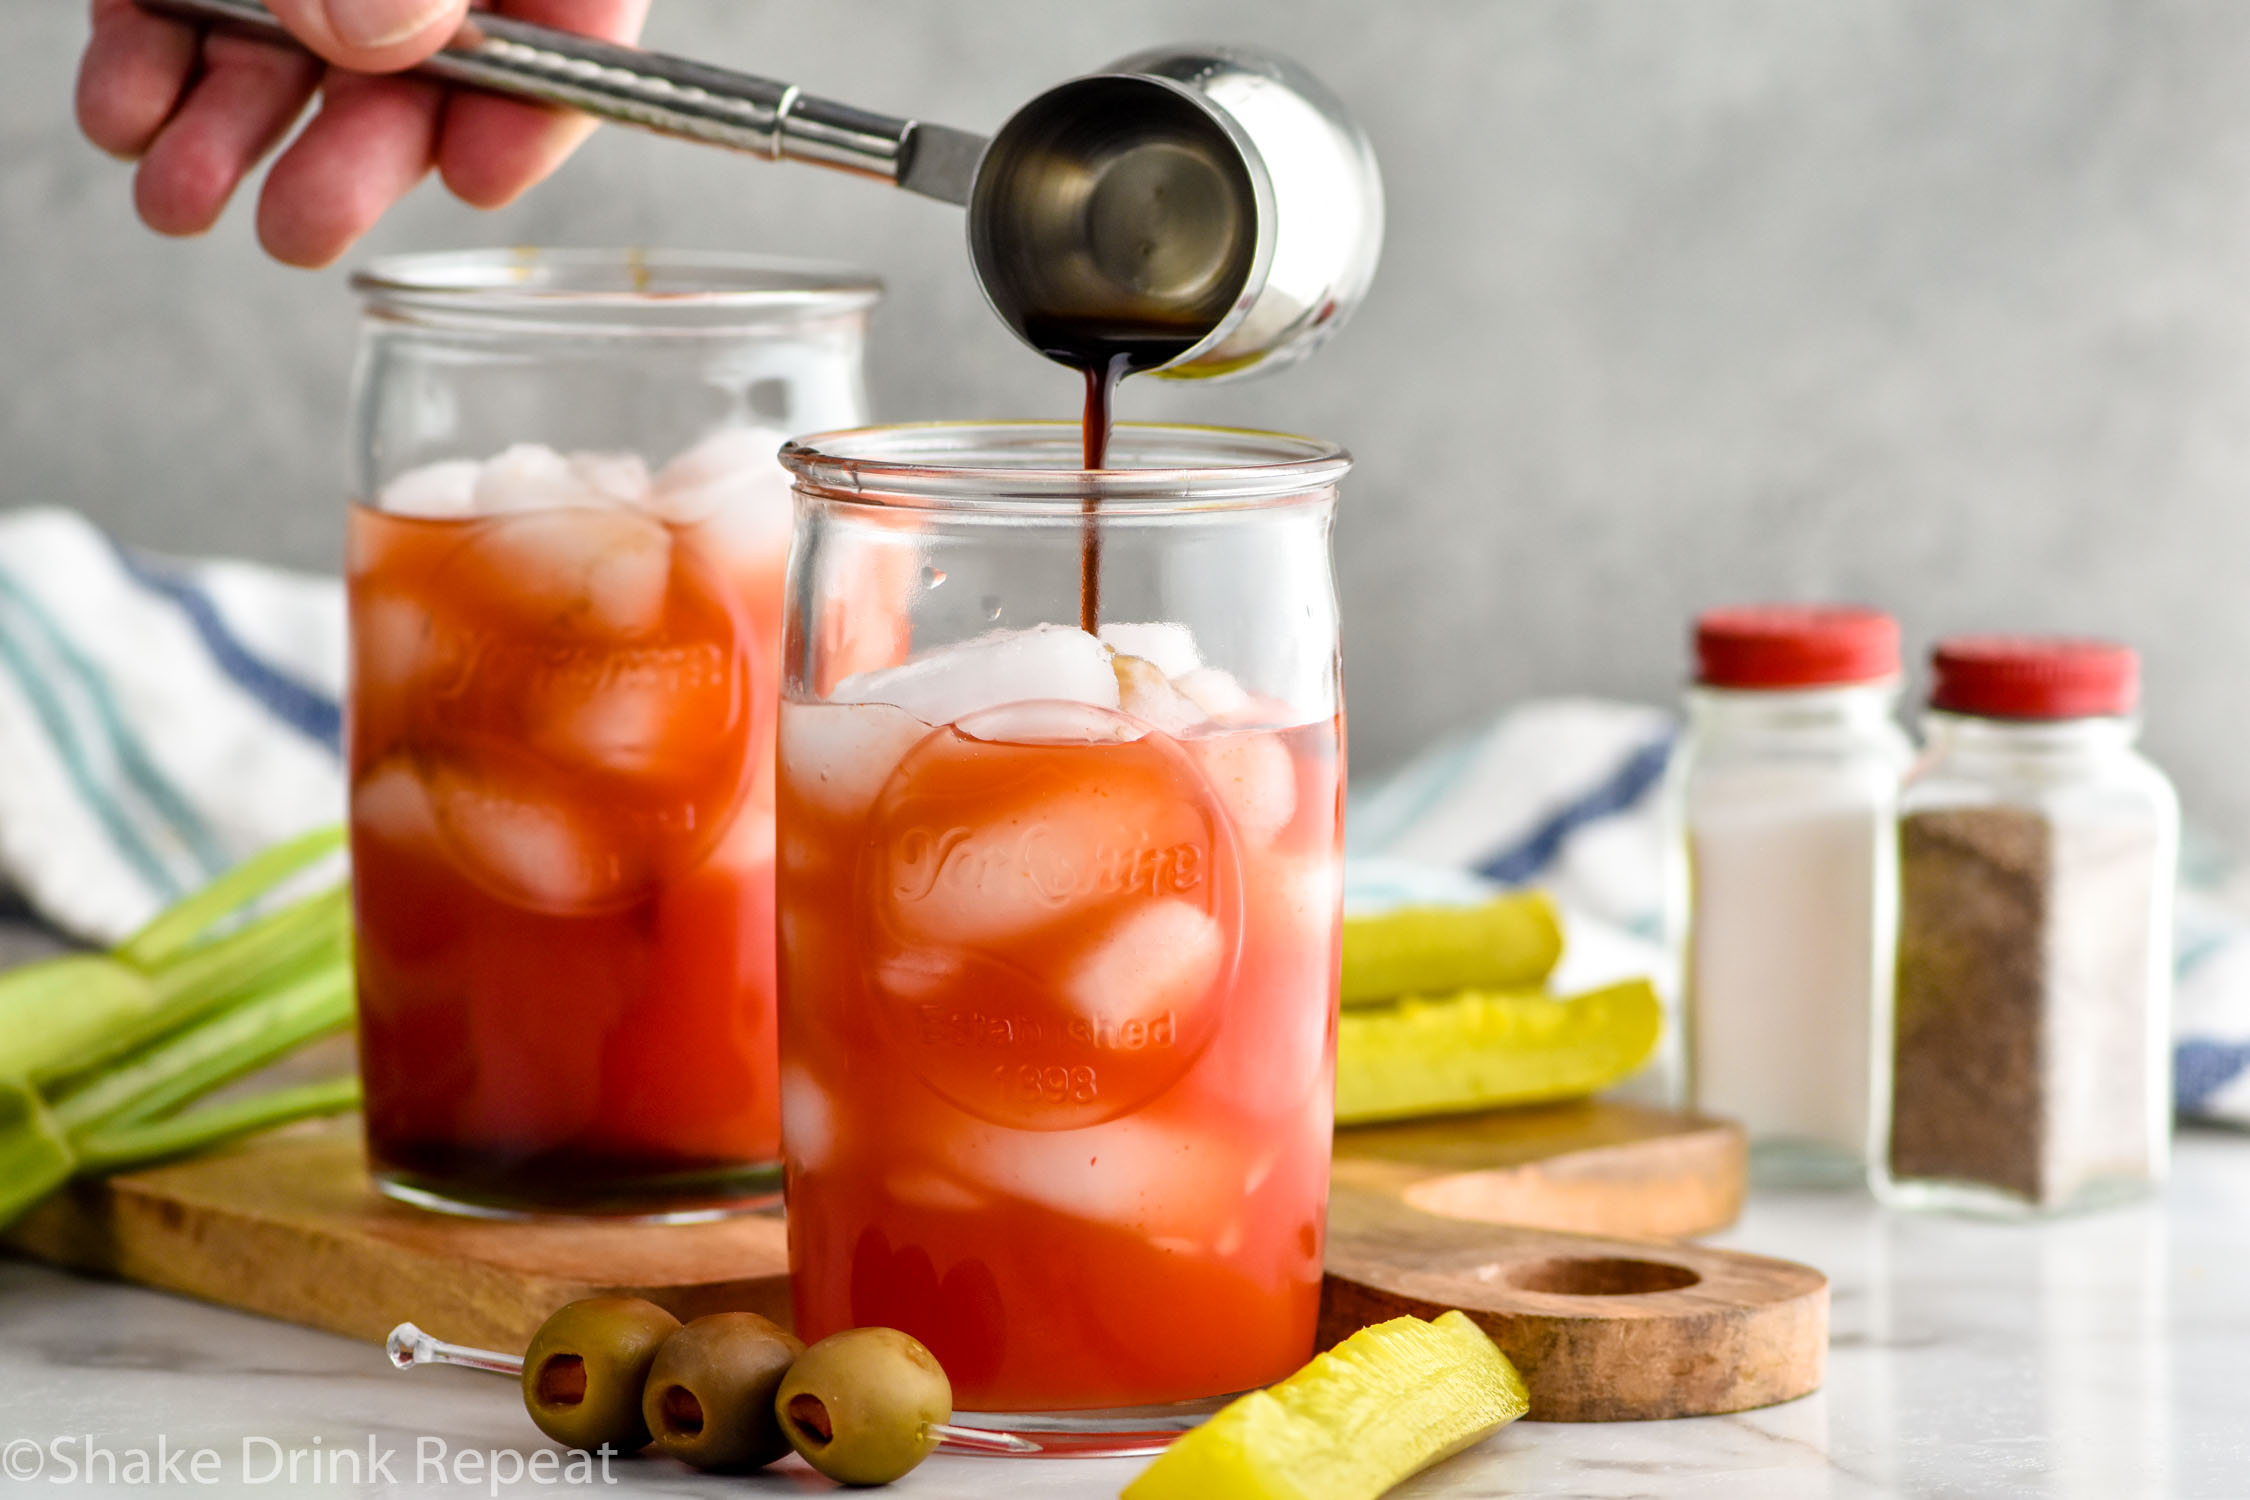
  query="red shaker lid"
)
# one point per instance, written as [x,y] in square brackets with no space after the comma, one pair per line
[2034,677]
[1794,646]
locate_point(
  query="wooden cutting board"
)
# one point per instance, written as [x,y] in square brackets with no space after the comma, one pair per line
[288,1226]
[1604,1329]
[1589,1167]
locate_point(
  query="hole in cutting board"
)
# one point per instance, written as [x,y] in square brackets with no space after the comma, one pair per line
[1600,1276]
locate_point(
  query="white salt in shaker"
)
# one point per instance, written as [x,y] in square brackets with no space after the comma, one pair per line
[1782,910]
[2028,1058]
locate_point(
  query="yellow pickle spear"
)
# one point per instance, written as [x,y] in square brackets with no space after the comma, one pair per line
[1481,1051]
[1385,1403]
[1511,942]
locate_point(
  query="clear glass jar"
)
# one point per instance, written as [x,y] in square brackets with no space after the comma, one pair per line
[566,545]
[1782,803]
[1060,913]
[2029,1060]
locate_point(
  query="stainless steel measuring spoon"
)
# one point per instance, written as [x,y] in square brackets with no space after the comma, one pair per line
[1219,194]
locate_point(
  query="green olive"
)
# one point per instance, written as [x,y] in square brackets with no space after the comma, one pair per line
[582,1375]
[709,1397]
[860,1405]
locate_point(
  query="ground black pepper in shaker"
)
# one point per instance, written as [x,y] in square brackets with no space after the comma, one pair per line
[2028,1044]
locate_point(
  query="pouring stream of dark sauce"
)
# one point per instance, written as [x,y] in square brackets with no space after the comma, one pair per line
[1104,351]
[1101,388]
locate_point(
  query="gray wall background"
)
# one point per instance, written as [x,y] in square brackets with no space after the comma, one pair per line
[1944,306]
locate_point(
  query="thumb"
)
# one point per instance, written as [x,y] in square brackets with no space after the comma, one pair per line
[372,36]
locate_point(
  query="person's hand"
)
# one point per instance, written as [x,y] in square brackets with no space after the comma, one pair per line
[199,111]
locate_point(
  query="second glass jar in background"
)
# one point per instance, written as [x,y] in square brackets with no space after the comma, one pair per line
[1060,912]
[565,564]
[2028,1057]
[1782,909]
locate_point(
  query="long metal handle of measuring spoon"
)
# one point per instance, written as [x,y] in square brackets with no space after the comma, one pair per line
[670,95]
[409,1346]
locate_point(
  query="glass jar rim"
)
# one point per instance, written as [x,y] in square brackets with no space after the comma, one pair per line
[628,288]
[1022,467]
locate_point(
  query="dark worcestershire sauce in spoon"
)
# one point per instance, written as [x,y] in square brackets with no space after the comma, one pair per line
[1103,351]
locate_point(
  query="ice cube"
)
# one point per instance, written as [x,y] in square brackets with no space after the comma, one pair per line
[837,756]
[1270,1058]
[619,478]
[1139,1173]
[748,844]
[1054,662]
[1047,722]
[595,572]
[808,1120]
[732,472]
[921,972]
[1214,691]
[531,850]
[532,477]
[1170,646]
[1256,779]
[1162,956]
[1148,695]
[671,709]
[927,1189]
[1304,890]
[390,803]
[393,639]
[442,491]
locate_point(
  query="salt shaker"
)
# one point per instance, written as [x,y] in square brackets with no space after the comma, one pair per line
[1783,799]
[2028,1054]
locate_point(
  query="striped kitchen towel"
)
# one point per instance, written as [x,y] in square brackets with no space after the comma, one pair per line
[159,720]
[1566,794]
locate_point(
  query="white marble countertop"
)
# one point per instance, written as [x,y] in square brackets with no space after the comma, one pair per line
[2097,1357]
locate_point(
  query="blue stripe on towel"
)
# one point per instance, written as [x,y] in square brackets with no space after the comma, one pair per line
[302,707]
[141,773]
[1623,787]
[2201,1069]
[55,720]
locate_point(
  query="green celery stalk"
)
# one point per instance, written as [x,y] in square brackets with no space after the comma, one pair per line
[116,1147]
[120,1041]
[173,930]
[211,1052]
[210,978]
[35,1157]
[66,1016]
[60,1008]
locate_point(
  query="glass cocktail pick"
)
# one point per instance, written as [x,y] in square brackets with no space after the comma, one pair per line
[409,1346]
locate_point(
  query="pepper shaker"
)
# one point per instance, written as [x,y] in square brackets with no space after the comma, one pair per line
[2028,1047]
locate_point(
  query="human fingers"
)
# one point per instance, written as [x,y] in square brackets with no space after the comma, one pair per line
[493,148]
[233,114]
[372,36]
[370,144]
[132,75]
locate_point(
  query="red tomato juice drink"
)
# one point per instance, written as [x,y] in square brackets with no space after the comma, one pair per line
[1059,1042]
[561,756]
[1059,911]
